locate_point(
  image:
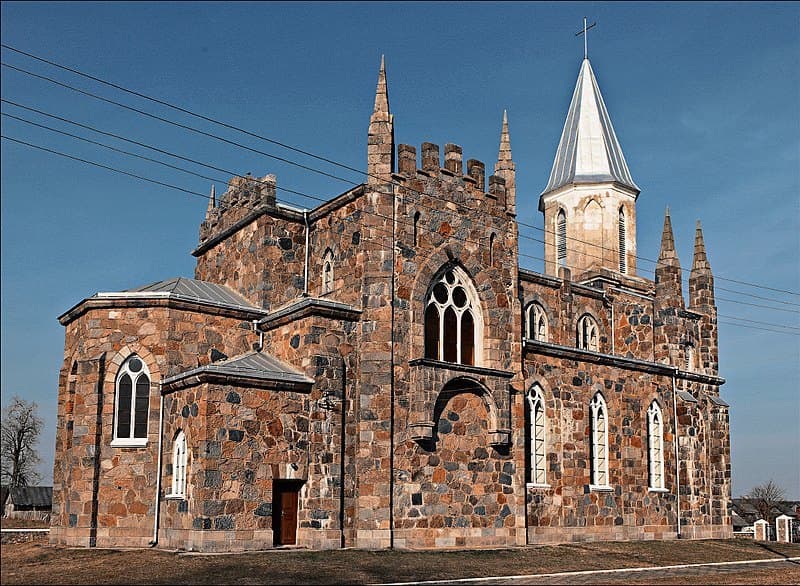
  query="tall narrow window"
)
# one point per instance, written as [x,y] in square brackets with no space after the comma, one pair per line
[536,438]
[416,228]
[327,272]
[179,465]
[492,240]
[561,239]
[132,403]
[689,362]
[536,323]
[588,337]
[623,251]
[655,445]
[69,406]
[599,448]
[452,319]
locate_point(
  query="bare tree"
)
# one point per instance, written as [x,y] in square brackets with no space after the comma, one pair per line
[765,497]
[21,427]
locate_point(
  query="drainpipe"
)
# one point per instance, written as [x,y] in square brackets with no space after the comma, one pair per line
[342,455]
[260,335]
[677,454]
[158,467]
[305,269]
[392,371]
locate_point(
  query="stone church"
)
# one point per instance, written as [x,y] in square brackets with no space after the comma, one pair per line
[380,372]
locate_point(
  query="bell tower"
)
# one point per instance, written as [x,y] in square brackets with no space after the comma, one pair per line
[589,203]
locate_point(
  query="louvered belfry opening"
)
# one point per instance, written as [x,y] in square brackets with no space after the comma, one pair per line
[561,239]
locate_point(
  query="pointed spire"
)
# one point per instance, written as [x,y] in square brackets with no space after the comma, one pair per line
[380,140]
[667,254]
[504,155]
[505,167]
[380,112]
[700,261]
[669,284]
[589,151]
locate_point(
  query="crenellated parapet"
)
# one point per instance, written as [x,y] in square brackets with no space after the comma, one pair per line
[244,196]
[454,176]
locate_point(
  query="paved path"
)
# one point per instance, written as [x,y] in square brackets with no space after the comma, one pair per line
[681,574]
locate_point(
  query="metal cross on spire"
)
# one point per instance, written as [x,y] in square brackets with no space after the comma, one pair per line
[585,37]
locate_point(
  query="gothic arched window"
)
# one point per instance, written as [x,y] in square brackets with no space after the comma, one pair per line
[452,319]
[623,252]
[599,447]
[536,437]
[655,446]
[132,403]
[327,272]
[561,239]
[536,323]
[588,334]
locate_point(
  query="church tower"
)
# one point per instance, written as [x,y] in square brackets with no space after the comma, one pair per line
[589,203]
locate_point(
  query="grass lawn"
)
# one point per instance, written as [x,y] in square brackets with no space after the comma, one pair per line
[38,563]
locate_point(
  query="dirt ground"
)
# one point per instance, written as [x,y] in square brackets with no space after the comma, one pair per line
[39,563]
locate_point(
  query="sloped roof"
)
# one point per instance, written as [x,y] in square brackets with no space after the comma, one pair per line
[32,496]
[244,369]
[194,290]
[589,151]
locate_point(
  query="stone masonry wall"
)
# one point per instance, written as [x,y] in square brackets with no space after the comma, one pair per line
[105,495]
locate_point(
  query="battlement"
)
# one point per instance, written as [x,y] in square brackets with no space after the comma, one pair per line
[243,196]
[473,178]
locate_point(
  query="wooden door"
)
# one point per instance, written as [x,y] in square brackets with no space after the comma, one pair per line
[285,513]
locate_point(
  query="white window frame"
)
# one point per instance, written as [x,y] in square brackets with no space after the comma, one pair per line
[131,442]
[537,437]
[599,447]
[655,447]
[459,279]
[588,334]
[541,329]
[561,238]
[179,466]
[689,358]
[327,272]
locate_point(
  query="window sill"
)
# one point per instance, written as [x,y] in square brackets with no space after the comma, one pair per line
[140,442]
[657,490]
[601,488]
[537,485]
[175,497]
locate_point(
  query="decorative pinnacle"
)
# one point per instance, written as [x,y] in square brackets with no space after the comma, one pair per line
[212,199]
[381,110]
[700,261]
[667,254]
[504,160]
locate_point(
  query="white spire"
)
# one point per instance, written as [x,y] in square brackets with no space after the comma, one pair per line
[589,151]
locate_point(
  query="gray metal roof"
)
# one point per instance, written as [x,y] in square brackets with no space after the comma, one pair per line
[32,496]
[253,365]
[589,151]
[193,289]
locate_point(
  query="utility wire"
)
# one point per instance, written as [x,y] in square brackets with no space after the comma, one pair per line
[226,125]
[272,141]
[287,190]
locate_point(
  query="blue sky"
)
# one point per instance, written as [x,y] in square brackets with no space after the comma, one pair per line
[704,99]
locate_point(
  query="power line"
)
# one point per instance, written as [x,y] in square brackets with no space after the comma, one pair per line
[730,323]
[757,305]
[41,148]
[272,141]
[759,322]
[170,186]
[284,189]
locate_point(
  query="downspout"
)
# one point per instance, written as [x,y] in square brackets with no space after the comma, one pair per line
[260,335]
[305,269]
[342,453]
[154,542]
[391,379]
[677,454]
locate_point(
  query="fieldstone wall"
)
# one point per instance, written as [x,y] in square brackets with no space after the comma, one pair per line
[104,495]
